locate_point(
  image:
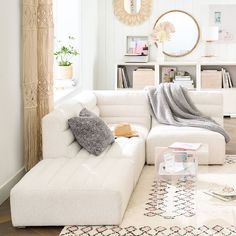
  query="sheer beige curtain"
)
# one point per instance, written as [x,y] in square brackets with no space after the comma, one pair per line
[37,69]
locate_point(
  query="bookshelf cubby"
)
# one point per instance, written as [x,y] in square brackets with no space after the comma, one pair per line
[229,94]
[190,68]
[130,68]
[230,68]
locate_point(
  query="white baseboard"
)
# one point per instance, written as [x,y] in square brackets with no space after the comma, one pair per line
[7,186]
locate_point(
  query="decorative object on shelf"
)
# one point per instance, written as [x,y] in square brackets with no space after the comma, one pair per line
[166,79]
[186,35]
[160,55]
[172,74]
[64,55]
[160,34]
[132,12]
[211,79]
[142,77]
[210,35]
[137,49]
[168,74]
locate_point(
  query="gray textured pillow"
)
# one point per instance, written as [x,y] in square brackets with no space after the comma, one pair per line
[91,132]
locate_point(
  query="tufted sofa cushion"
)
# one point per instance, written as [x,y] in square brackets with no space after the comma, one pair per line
[82,190]
[124,106]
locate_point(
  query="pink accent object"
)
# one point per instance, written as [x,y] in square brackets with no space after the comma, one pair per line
[161,32]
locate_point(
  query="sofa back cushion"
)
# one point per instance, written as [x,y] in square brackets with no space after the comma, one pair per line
[124,106]
[58,140]
[210,103]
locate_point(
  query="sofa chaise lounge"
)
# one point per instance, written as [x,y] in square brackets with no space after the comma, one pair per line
[72,187]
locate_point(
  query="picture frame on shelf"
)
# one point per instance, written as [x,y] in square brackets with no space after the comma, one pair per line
[137,50]
[166,72]
[137,45]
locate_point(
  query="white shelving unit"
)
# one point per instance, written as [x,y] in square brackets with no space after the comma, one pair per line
[130,67]
[194,68]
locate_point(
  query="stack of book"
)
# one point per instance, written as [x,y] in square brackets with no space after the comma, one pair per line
[185,81]
[223,194]
[227,80]
[122,78]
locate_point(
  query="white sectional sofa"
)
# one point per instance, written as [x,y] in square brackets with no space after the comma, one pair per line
[210,104]
[72,187]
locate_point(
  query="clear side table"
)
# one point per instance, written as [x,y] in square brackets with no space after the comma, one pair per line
[176,180]
[172,164]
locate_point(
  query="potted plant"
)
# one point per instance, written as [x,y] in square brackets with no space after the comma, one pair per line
[64,54]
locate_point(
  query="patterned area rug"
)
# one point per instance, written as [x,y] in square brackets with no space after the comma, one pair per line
[169,201]
[182,209]
[148,231]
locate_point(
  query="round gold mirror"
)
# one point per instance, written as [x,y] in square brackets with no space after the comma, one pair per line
[132,12]
[186,36]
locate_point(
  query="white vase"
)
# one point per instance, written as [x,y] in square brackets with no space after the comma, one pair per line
[64,72]
[160,54]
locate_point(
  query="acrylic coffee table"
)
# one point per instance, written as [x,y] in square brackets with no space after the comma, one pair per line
[173,164]
[176,181]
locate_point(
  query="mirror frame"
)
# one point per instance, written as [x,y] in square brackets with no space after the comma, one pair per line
[132,19]
[198,29]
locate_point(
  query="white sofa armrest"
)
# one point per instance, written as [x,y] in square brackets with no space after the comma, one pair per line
[57,138]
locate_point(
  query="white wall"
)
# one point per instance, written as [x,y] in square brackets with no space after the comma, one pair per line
[89,39]
[112,34]
[11,135]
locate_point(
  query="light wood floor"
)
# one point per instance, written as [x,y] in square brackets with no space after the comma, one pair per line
[6,228]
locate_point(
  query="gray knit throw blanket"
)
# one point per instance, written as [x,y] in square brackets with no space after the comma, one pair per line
[171,105]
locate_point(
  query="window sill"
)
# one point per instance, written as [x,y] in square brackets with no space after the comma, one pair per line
[62,90]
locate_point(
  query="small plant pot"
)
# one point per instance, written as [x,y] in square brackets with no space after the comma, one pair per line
[64,72]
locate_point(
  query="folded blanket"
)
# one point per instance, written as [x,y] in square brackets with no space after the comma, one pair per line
[171,105]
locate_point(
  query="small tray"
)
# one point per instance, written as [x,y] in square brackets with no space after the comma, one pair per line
[225,194]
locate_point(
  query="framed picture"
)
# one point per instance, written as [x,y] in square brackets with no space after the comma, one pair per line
[137,45]
[222,16]
[217,17]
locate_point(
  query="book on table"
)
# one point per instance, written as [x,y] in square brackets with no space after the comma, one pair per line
[220,197]
[185,146]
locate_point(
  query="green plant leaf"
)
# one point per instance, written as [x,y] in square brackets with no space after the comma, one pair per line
[65,53]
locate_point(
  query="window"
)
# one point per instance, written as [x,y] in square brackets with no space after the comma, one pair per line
[67,28]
